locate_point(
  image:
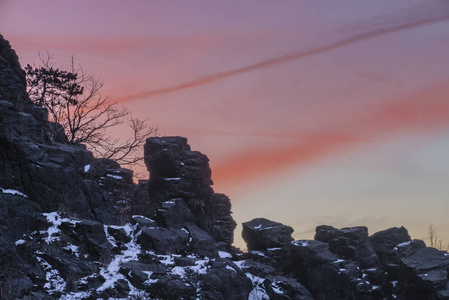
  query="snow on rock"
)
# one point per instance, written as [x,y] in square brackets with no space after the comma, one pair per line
[86,168]
[302,243]
[55,220]
[114,176]
[166,259]
[180,271]
[240,264]
[54,283]
[149,281]
[172,179]
[20,242]
[230,268]
[224,254]
[404,244]
[111,272]
[200,266]
[12,192]
[274,249]
[276,288]
[258,253]
[258,292]
[72,248]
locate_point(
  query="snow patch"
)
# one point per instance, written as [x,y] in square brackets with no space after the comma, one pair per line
[55,283]
[73,249]
[230,268]
[172,179]
[258,292]
[274,249]
[180,271]
[149,281]
[403,244]
[258,227]
[166,260]
[224,254]
[303,243]
[20,242]
[276,288]
[111,272]
[13,192]
[86,168]
[258,253]
[55,220]
[200,266]
[240,264]
[114,176]
[75,296]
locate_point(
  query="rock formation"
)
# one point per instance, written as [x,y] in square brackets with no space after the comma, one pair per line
[76,227]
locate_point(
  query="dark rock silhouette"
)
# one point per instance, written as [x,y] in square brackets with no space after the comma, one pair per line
[76,227]
[261,234]
[176,172]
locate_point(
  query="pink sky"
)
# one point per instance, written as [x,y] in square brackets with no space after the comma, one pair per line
[311,112]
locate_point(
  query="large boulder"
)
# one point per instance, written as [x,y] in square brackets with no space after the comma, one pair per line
[315,266]
[384,243]
[223,280]
[422,270]
[350,243]
[174,213]
[261,234]
[163,241]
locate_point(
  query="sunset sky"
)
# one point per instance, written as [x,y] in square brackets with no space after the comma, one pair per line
[311,112]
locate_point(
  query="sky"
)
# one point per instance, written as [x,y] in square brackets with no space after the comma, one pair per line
[311,112]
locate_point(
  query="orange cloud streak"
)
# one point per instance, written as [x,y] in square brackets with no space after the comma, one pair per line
[428,109]
[410,18]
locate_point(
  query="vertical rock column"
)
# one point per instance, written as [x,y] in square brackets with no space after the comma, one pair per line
[178,172]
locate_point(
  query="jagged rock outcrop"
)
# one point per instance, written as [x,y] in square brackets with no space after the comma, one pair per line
[76,227]
[12,77]
[56,176]
[348,264]
[177,172]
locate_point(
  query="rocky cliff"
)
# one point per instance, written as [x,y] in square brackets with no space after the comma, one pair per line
[76,227]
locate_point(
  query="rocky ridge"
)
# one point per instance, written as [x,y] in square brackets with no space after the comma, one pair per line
[76,227]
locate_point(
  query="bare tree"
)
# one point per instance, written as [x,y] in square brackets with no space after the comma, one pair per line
[73,100]
[434,239]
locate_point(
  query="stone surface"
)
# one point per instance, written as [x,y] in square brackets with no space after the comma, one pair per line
[350,243]
[177,172]
[385,241]
[261,234]
[174,213]
[12,77]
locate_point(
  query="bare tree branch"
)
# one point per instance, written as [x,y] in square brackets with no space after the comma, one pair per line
[74,101]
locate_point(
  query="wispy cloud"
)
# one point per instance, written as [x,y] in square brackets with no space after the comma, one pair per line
[414,16]
[418,112]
